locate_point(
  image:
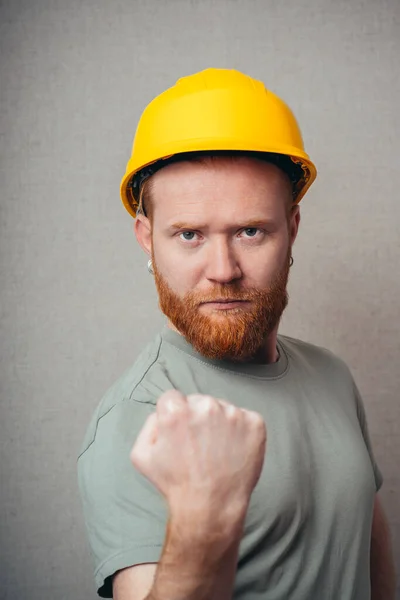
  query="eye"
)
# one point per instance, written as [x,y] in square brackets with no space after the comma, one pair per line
[188,236]
[251,232]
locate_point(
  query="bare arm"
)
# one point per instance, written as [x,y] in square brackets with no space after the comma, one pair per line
[196,564]
[134,583]
[383,577]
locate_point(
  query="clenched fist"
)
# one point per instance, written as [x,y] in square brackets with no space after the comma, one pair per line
[201,452]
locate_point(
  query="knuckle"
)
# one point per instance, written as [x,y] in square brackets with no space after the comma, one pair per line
[209,402]
[172,404]
[203,403]
[171,396]
[171,417]
[256,420]
[211,405]
[232,412]
[194,399]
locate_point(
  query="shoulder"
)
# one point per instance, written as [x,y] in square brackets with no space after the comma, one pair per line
[134,394]
[310,355]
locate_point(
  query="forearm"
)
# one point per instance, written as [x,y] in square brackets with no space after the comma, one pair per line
[383,576]
[199,566]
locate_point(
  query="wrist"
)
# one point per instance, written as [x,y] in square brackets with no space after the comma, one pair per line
[207,524]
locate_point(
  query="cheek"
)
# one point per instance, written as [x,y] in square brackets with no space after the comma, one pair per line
[182,275]
[259,273]
[262,266]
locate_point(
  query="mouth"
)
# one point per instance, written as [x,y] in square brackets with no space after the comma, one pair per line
[224,300]
[225,303]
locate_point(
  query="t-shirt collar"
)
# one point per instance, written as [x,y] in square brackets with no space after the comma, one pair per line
[269,371]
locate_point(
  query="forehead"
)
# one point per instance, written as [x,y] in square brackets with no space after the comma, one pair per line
[220,186]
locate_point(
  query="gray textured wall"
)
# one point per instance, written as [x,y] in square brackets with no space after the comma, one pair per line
[77,302]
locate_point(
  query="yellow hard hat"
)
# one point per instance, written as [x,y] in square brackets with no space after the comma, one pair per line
[211,111]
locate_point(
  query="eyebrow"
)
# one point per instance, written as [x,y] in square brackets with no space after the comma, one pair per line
[183,225]
[248,224]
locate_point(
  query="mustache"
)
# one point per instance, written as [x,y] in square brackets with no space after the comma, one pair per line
[223,298]
[222,295]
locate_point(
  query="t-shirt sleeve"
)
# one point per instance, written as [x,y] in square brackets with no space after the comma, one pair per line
[125,515]
[365,432]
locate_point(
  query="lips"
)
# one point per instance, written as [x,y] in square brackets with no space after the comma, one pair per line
[224,300]
[224,304]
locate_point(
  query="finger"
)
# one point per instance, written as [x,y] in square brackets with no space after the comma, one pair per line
[195,399]
[146,438]
[203,403]
[255,417]
[227,404]
[257,422]
[171,402]
[229,408]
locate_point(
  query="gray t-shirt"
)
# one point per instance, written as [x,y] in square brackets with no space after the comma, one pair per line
[308,526]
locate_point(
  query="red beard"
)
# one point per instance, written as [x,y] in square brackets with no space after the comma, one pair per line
[235,334]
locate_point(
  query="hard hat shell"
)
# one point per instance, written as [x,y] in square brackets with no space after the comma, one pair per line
[215,110]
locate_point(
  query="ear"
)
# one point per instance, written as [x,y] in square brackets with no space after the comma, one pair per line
[142,230]
[294,223]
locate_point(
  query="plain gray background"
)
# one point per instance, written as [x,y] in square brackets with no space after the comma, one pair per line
[77,302]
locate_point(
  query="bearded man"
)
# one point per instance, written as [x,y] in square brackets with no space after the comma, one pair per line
[229,462]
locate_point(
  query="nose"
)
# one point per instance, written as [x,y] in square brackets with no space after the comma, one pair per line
[222,264]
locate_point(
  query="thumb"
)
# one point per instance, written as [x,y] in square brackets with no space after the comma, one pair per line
[140,453]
